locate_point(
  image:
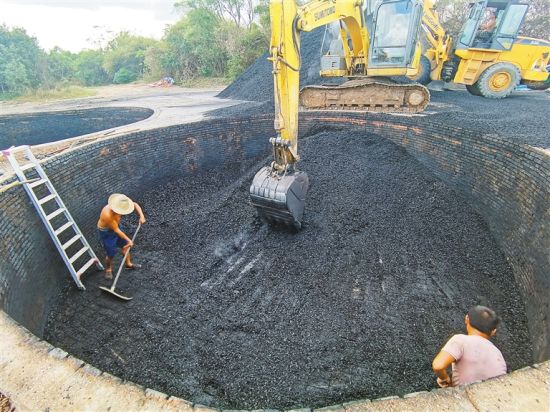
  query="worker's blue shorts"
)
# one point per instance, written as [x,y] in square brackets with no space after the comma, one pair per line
[110,241]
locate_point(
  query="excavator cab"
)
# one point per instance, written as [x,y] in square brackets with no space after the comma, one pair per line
[396,25]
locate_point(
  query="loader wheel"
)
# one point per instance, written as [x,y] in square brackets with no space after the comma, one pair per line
[424,72]
[533,85]
[498,81]
[472,88]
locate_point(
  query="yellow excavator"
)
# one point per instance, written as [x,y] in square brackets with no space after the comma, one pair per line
[380,39]
[378,42]
[488,56]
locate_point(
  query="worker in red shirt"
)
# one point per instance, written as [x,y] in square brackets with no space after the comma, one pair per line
[473,357]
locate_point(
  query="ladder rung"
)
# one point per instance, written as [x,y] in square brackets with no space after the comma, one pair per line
[46,199]
[78,254]
[63,228]
[37,183]
[70,241]
[85,267]
[28,166]
[56,213]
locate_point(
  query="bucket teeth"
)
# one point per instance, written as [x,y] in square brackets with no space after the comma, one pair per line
[280,198]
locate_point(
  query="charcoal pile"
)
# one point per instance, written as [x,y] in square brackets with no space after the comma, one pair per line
[256,83]
[231,313]
[521,117]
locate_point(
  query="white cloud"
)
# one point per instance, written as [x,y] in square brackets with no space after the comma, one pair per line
[72,24]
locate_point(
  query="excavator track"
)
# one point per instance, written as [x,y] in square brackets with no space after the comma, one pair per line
[373,95]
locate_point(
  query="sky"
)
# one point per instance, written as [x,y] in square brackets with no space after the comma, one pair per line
[75,25]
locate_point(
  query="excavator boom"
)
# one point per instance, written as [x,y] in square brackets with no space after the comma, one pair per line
[382,43]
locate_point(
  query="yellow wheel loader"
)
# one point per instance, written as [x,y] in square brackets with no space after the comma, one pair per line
[378,39]
[488,56]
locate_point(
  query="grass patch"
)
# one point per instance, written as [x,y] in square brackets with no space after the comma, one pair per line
[44,95]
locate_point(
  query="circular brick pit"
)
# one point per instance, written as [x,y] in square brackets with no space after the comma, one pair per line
[506,183]
[47,127]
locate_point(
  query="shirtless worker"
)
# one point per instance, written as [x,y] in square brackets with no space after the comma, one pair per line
[111,236]
[473,356]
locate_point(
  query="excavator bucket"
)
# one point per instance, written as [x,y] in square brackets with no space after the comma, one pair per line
[280,198]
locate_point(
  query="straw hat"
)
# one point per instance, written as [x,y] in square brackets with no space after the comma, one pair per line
[121,204]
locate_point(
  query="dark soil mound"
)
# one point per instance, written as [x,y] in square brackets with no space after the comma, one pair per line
[256,83]
[520,117]
[231,313]
[38,128]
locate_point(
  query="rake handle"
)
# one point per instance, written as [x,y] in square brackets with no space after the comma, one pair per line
[124,258]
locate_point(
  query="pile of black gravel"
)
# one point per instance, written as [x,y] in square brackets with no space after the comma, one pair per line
[256,83]
[231,313]
[523,116]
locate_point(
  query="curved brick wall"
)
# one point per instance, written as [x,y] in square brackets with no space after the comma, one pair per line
[508,183]
[45,127]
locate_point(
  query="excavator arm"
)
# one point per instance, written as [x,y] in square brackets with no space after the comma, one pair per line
[278,191]
[440,42]
[288,21]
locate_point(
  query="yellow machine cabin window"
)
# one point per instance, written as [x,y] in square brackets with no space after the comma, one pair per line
[395,33]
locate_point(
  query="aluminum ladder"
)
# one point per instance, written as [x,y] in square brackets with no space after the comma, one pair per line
[75,246]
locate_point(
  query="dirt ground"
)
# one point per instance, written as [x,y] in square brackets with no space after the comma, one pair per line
[230,313]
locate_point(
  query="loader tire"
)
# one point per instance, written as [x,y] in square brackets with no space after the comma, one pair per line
[424,72]
[498,81]
[472,88]
[534,85]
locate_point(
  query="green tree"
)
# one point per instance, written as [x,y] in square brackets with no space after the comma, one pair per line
[14,78]
[193,46]
[123,75]
[89,69]
[264,19]
[128,52]
[153,61]
[245,49]
[240,12]
[61,66]
[22,62]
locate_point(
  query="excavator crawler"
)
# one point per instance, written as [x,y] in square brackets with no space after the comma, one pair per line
[376,95]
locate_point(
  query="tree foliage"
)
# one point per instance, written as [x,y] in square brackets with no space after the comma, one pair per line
[127,52]
[239,12]
[537,21]
[89,69]
[21,61]
[217,38]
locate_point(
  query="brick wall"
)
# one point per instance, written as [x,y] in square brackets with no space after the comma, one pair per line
[507,183]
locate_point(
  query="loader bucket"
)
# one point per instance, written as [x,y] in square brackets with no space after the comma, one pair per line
[280,198]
